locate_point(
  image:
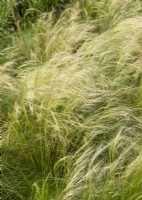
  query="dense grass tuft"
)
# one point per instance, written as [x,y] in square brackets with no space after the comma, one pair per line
[71,99]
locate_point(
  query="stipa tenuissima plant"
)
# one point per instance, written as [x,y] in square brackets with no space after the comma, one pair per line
[108,14]
[74,127]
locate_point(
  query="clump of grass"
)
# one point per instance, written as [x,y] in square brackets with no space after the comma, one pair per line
[108,14]
[74,127]
[48,38]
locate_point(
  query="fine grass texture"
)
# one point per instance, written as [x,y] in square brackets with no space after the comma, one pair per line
[71,105]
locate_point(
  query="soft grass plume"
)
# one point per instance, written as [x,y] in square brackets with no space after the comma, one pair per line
[107,14]
[47,38]
[74,127]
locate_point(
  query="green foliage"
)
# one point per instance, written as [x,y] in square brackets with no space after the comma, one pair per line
[21,14]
